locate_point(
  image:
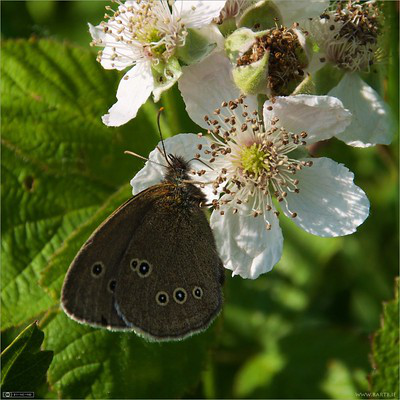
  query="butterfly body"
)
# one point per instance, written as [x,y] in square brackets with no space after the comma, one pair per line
[152,266]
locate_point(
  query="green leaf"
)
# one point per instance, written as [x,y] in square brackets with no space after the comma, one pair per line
[385,350]
[53,275]
[63,173]
[23,365]
[95,363]
[59,162]
[288,362]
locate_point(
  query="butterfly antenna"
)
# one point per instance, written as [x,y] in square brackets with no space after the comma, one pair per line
[161,137]
[131,153]
[196,159]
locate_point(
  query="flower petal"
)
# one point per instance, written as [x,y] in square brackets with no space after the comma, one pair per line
[204,86]
[299,10]
[153,172]
[97,33]
[127,54]
[245,245]
[329,203]
[133,90]
[196,13]
[372,122]
[320,116]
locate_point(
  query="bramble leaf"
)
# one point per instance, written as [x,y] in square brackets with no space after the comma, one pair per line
[23,364]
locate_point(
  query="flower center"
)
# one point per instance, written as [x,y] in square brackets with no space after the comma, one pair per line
[144,30]
[286,60]
[254,159]
[353,29]
[256,162]
[152,38]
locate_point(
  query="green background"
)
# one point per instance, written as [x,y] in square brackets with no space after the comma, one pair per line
[300,331]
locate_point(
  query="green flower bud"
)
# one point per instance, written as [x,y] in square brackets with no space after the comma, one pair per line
[252,78]
[227,26]
[239,42]
[260,16]
[270,62]
[197,47]
[165,75]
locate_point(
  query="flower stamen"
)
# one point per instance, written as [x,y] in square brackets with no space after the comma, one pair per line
[348,34]
[285,63]
[145,30]
[259,165]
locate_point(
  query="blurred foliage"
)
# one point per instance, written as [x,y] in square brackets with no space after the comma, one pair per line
[300,331]
[385,346]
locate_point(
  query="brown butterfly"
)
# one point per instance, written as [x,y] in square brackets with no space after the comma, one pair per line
[152,266]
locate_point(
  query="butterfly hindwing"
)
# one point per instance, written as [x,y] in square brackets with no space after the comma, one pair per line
[170,286]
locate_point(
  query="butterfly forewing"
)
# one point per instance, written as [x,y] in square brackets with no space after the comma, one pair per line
[89,286]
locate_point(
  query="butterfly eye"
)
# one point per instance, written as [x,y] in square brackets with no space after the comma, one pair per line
[144,269]
[97,269]
[197,292]
[180,295]
[111,286]
[162,298]
[134,263]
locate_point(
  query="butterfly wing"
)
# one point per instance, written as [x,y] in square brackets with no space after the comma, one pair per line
[88,290]
[170,280]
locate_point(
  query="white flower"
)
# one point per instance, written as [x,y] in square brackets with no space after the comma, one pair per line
[146,35]
[290,10]
[300,10]
[254,160]
[269,52]
[348,39]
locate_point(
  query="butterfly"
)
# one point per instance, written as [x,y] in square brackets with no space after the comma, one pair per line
[152,266]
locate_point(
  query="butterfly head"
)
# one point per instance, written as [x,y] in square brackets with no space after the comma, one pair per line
[177,169]
[178,174]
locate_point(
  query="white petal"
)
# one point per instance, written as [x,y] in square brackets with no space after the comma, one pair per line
[131,94]
[197,13]
[127,54]
[97,33]
[372,122]
[245,245]
[320,116]
[204,86]
[183,145]
[329,203]
[213,35]
[299,10]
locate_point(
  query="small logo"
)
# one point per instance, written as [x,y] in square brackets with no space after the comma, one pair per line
[18,395]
